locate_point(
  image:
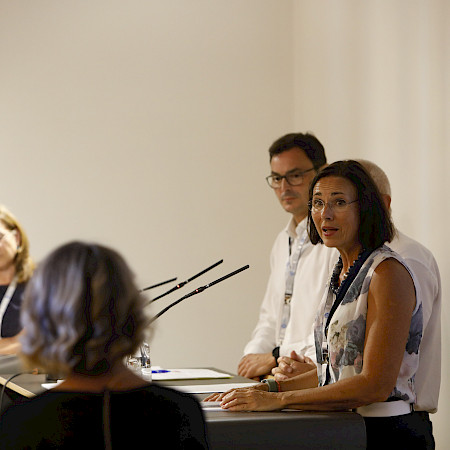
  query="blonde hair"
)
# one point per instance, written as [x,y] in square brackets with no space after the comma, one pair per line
[23,262]
[81,311]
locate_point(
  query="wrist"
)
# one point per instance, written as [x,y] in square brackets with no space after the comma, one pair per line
[273,385]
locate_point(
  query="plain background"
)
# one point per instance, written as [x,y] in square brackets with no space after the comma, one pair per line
[145,125]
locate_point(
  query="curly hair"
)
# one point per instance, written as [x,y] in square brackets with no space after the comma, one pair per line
[23,262]
[81,311]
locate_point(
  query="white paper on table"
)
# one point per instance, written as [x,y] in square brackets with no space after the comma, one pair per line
[212,406]
[210,388]
[51,385]
[186,374]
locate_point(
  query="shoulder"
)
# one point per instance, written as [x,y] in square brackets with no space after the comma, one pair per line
[40,405]
[18,293]
[171,398]
[410,249]
[391,268]
[419,259]
[392,283]
[21,287]
[31,414]
[385,266]
[388,264]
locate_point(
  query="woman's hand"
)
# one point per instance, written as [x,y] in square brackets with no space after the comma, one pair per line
[252,400]
[218,396]
[292,366]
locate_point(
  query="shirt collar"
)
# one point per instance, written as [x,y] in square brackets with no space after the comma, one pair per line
[294,231]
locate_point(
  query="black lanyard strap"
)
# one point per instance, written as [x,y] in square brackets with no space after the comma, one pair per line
[346,283]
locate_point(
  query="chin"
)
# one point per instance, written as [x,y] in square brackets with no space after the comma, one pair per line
[328,243]
[292,209]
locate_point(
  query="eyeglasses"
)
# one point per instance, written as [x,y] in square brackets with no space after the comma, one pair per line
[5,232]
[293,179]
[338,205]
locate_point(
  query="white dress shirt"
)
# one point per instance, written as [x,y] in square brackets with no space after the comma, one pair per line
[314,270]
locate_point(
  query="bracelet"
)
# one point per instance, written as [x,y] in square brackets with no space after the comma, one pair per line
[274,385]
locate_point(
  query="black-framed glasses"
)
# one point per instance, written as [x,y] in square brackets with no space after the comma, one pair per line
[294,178]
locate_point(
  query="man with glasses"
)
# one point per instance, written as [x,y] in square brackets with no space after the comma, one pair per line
[299,270]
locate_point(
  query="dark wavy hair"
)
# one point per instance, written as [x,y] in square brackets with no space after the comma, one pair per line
[81,311]
[375,224]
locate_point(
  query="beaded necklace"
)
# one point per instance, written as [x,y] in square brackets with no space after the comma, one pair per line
[334,282]
[339,291]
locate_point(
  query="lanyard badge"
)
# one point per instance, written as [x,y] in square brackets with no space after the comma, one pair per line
[291,270]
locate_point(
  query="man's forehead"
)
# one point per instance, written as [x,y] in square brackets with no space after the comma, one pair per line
[291,160]
[288,171]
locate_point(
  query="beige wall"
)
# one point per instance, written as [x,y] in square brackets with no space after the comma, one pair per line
[145,125]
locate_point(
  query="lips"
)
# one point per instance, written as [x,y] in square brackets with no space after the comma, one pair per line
[329,231]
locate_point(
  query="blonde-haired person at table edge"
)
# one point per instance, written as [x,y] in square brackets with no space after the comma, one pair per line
[16,268]
[369,324]
[82,315]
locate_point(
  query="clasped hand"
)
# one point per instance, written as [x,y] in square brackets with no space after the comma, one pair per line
[289,367]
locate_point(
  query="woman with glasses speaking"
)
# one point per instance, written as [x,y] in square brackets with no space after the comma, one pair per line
[369,324]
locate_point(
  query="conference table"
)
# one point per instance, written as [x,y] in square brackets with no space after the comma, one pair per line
[286,429]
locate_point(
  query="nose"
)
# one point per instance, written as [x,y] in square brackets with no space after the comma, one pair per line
[284,185]
[327,211]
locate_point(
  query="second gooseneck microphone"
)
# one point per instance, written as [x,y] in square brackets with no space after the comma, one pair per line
[198,290]
[183,283]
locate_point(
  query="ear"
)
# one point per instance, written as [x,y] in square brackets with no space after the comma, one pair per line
[387,201]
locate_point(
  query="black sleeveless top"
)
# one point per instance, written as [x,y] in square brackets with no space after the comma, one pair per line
[11,320]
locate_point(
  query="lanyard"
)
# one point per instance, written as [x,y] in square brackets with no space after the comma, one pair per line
[354,270]
[6,299]
[291,270]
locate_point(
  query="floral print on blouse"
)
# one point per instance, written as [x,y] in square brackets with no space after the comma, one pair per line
[342,351]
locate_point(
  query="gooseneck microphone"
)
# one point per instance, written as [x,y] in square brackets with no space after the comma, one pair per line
[183,283]
[158,284]
[198,290]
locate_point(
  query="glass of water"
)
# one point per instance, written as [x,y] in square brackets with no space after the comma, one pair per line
[146,366]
